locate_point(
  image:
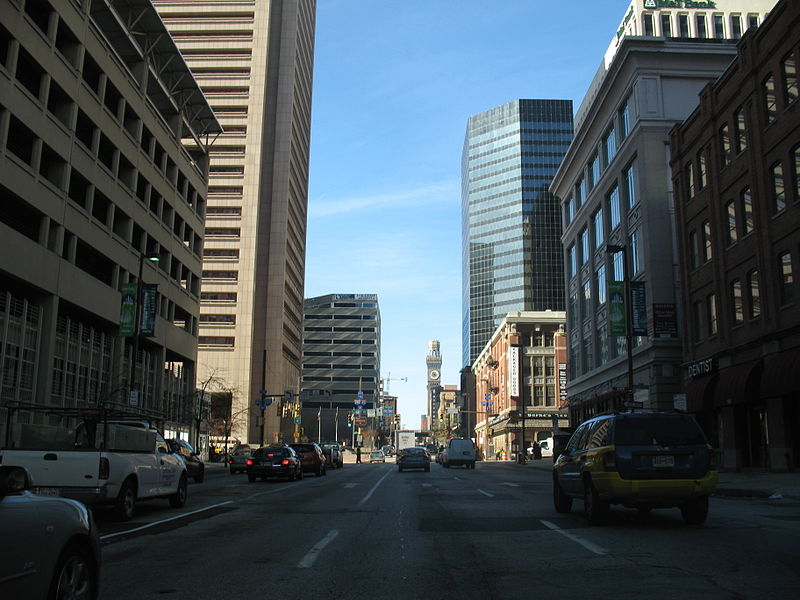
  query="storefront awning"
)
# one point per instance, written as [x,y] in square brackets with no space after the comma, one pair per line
[781,374]
[700,394]
[739,383]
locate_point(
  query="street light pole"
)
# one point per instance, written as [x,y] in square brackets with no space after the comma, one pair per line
[613,249]
[137,323]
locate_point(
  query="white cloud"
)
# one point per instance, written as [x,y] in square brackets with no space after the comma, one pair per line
[431,194]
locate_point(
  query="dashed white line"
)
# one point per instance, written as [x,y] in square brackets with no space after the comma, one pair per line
[311,557]
[374,487]
[585,543]
[108,536]
[486,493]
[510,484]
[350,485]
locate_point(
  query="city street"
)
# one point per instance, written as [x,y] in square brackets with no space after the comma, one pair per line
[369,532]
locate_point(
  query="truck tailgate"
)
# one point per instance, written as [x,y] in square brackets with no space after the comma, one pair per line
[57,468]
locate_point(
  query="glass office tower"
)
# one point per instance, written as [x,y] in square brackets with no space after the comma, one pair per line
[511,223]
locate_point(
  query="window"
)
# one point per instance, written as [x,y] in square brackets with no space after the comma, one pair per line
[789,69]
[711,314]
[747,211]
[630,185]
[730,216]
[666,25]
[649,28]
[752,21]
[610,146]
[683,26]
[778,189]
[702,170]
[573,307]
[700,25]
[770,99]
[737,302]
[624,119]
[754,296]
[600,284]
[736,26]
[587,299]
[719,30]
[618,266]
[786,281]
[707,254]
[633,250]
[594,171]
[580,193]
[725,145]
[613,201]
[740,131]
[694,250]
[572,264]
[599,228]
[569,211]
[689,172]
[584,246]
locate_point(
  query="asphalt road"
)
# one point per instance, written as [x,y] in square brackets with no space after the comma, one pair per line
[369,532]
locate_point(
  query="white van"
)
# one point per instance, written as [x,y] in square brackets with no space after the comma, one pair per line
[459,451]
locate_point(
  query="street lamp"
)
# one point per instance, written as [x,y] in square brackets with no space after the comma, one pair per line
[154,258]
[614,249]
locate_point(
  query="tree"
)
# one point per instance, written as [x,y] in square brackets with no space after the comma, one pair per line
[223,418]
[203,401]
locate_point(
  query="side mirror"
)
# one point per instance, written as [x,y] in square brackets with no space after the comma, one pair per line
[14,480]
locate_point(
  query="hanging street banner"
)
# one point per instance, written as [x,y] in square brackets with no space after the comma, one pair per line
[616,308]
[149,298]
[513,371]
[127,310]
[638,308]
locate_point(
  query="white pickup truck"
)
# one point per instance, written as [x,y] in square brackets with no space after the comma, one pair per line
[117,463]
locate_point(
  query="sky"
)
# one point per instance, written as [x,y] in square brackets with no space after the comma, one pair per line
[394,84]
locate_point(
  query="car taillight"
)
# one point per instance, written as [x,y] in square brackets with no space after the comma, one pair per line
[230,461]
[712,460]
[104,469]
[249,461]
[610,461]
[285,461]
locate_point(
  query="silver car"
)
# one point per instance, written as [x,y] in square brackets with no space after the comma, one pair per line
[55,551]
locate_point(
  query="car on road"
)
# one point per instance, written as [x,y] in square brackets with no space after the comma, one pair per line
[237,462]
[195,467]
[50,547]
[333,454]
[274,461]
[414,457]
[641,460]
[377,456]
[388,450]
[311,458]
[459,451]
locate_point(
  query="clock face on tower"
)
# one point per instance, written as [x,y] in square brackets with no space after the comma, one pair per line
[433,374]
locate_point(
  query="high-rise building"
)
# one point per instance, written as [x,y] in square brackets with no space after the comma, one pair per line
[510,222]
[103,171]
[341,358]
[254,62]
[433,363]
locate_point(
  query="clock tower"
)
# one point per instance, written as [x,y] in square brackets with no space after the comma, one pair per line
[434,363]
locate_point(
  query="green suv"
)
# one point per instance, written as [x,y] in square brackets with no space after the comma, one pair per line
[640,460]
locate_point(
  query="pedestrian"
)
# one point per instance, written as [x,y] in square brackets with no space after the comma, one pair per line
[358,454]
[537,450]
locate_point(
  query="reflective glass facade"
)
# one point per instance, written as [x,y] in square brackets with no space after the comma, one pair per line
[511,223]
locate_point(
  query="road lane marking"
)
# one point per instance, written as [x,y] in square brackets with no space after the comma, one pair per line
[585,543]
[374,487]
[108,536]
[486,494]
[457,478]
[350,485]
[311,557]
[427,484]
[275,491]
[510,484]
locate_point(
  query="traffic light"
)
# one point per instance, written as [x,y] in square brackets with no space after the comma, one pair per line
[397,419]
[349,419]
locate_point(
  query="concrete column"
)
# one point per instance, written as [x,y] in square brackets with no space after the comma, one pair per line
[779,448]
[731,455]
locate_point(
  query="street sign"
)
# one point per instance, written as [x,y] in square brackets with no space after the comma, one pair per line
[297,420]
[633,404]
[360,421]
[360,395]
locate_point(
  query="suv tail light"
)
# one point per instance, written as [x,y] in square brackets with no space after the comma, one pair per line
[285,461]
[249,461]
[104,469]
[610,461]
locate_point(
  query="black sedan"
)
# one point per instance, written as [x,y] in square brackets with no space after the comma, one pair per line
[274,461]
[413,458]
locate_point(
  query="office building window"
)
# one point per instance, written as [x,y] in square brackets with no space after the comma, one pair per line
[786,281]
[599,228]
[602,344]
[694,250]
[569,211]
[753,295]
[624,121]
[778,188]
[737,302]
[610,146]
[789,71]
[618,266]
[700,25]
[741,130]
[633,250]
[736,26]
[689,172]
[573,307]
[697,329]
[587,299]
[770,99]
[711,314]
[572,263]
[594,171]
[585,246]
[730,216]
[630,185]
[752,21]
[600,284]
[580,193]
[725,145]
[707,254]
[719,30]
[666,25]
[683,26]
[702,169]
[748,224]
[649,28]
[613,202]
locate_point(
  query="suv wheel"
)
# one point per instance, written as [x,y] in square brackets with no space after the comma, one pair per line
[695,511]
[562,502]
[595,509]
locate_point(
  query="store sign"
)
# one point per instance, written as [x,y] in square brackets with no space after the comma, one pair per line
[700,4]
[638,308]
[665,321]
[562,382]
[700,367]
[513,371]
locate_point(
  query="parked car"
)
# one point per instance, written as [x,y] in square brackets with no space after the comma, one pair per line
[333,454]
[274,461]
[388,450]
[459,451]
[237,462]
[641,460]
[377,456]
[50,545]
[195,468]
[311,458]
[415,457]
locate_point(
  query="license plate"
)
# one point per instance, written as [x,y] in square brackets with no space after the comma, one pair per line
[663,461]
[48,491]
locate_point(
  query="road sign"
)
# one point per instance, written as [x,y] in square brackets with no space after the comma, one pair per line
[360,421]
[360,395]
[297,420]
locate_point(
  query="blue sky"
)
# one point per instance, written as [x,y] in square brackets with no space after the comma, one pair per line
[394,84]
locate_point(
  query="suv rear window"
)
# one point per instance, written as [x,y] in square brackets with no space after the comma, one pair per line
[271,452]
[658,430]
